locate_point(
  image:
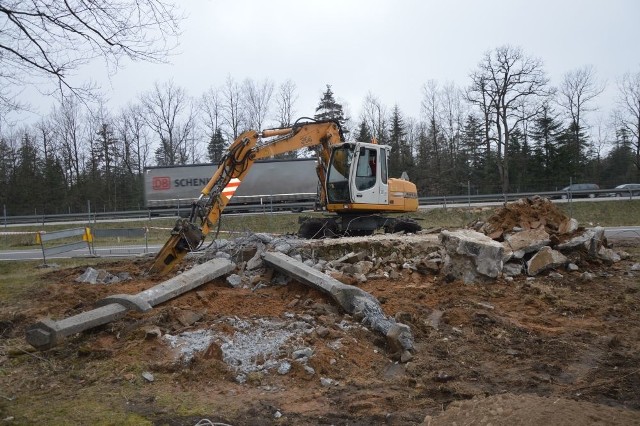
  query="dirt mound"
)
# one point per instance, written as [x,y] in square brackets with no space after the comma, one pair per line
[524,214]
[514,410]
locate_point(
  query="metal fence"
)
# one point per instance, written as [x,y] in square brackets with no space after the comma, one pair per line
[267,206]
[113,239]
[43,237]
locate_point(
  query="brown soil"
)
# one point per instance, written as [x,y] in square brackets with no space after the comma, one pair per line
[526,213]
[522,352]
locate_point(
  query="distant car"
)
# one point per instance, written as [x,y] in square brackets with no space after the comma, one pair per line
[625,190]
[578,190]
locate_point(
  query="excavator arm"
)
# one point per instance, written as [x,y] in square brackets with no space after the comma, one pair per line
[189,234]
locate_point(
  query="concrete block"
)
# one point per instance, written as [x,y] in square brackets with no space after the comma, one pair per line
[47,333]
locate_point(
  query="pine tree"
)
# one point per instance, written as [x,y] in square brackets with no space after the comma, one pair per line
[546,134]
[215,149]
[399,160]
[329,109]
[364,134]
[26,187]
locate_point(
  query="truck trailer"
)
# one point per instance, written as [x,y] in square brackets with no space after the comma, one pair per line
[277,184]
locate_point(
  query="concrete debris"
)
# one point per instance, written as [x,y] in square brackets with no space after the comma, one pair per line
[512,269]
[284,367]
[635,267]
[591,240]
[101,276]
[608,255]
[256,345]
[526,241]
[328,382]
[47,333]
[352,300]
[542,236]
[587,276]
[471,256]
[555,275]
[234,280]
[434,319]
[189,343]
[545,259]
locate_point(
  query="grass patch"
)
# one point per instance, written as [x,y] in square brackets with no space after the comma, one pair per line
[18,279]
[605,213]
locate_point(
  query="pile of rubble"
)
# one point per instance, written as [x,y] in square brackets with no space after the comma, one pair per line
[529,236]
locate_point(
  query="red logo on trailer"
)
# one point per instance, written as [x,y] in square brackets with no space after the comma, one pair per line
[161,183]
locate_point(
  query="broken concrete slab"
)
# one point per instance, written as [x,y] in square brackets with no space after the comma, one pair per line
[568,226]
[591,240]
[47,333]
[526,241]
[256,261]
[471,255]
[545,259]
[352,300]
[512,269]
[608,255]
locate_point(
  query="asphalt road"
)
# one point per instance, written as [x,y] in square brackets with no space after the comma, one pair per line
[115,251]
[612,234]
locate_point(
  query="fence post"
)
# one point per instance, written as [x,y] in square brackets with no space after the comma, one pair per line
[89,210]
[146,239]
[88,236]
[570,196]
[39,240]
[5,215]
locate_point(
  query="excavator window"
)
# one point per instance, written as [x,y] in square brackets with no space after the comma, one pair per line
[383,166]
[367,169]
[338,176]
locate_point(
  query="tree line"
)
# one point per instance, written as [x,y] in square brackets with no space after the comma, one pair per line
[508,129]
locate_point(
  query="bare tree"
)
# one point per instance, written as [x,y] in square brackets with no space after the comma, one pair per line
[578,89]
[477,95]
[376,116]
[133,133]
[256,99]
[285,102]
[169,113]
[70,133]
[49,39]
[430,106]
[507,79]
[629,110]
[233,114]
[211,107]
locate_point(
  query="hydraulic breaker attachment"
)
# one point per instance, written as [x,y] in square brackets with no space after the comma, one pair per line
[185,237]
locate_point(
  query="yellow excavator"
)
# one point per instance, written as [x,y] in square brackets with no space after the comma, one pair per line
[354,185]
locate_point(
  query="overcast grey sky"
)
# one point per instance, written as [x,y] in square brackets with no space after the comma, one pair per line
[389,48]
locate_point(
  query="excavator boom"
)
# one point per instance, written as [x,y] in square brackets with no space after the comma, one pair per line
[354,183]
[188,234]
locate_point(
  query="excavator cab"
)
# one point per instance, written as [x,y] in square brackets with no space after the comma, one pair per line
[358,174]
